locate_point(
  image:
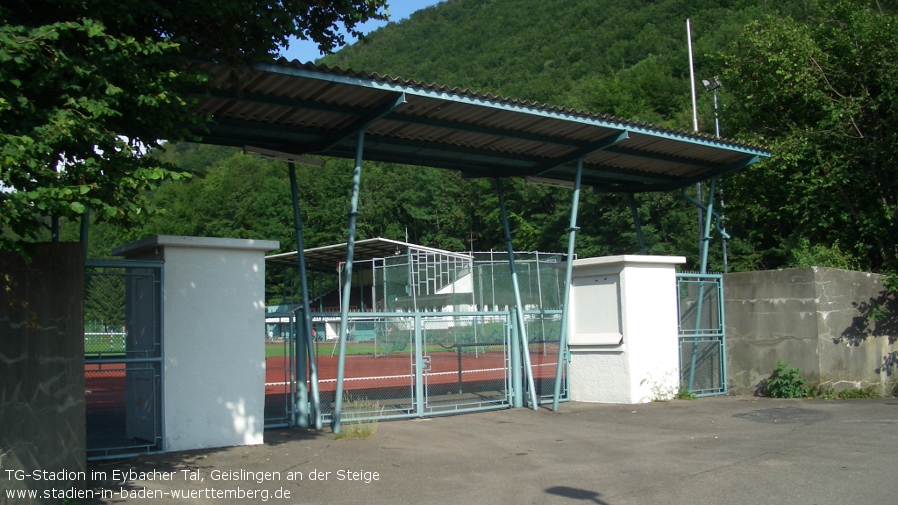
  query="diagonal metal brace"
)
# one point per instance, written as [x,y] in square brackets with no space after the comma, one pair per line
[581,153]
[363,121]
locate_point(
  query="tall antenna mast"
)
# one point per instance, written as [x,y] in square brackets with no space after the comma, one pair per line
[692,77]
[698,185]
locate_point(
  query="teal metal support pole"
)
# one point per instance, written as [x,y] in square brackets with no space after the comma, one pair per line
[419,366]
[637,223]
[568,273]
[706,231]
[522,329]
[703,260]
[302,328]
[347,281]
[301,398]
[517,380]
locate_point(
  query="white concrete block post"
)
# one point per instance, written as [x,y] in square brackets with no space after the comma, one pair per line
[213,338]
[623,329]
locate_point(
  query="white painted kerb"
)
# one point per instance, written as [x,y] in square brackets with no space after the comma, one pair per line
[213,338]
[623,329]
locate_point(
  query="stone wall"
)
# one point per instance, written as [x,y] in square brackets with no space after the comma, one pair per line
[42,366]
[817,319]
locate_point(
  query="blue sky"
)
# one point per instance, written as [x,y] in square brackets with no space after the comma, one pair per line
[304,50]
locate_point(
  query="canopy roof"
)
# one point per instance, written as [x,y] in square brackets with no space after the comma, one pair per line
[297,108]
[326,258]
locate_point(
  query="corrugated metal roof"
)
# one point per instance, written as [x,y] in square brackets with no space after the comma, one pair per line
[307,109]
[327,258]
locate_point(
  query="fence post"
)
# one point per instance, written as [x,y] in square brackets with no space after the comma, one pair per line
[517,382]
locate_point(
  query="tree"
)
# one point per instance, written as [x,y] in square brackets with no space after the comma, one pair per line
[87,86]
[822,95]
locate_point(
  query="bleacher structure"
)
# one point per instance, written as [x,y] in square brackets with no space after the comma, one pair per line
[395,276]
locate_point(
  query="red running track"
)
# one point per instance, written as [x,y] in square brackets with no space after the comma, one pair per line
[105,384]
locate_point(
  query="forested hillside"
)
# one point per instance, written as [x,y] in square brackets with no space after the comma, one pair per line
[814,80]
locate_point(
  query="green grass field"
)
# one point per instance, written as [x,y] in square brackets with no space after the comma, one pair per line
[277,350]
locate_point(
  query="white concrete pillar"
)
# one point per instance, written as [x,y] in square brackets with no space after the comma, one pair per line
[623,329]
[213,338]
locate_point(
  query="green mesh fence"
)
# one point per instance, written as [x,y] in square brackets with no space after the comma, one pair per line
[543,331]
[406,366]
[279,368]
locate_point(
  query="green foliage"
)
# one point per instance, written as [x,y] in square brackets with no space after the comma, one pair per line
[821,93]
[785,383]
[87,87]
[825,391]
[813,80]
[684,394]
[868,392]
[821,391]
[820,255]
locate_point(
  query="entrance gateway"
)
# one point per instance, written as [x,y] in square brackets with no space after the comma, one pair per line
[291,110]
[430,332]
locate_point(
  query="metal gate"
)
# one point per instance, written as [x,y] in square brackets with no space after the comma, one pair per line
[123,358]
[279,368]
[401,365]
[701,333]
[466,362]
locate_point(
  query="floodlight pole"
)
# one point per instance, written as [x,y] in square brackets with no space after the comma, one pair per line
[713,85]
[347,280]
[568,273]
[522,329]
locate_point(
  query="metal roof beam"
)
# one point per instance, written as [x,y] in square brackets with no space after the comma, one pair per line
[226,125]
[473,151]
[659,157]
[723,169]
[623,175]
[487,130]
[499,103]
[582,152]
[392,102]
[720,170]
[281,101]
[373,154]
[294,103]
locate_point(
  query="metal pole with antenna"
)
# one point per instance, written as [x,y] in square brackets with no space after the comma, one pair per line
[698,185]
[713,84]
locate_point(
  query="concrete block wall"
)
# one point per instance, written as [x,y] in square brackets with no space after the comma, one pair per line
[42,367]
[816,319]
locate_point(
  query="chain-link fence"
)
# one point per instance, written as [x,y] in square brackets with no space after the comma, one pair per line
[701,329]
[543,332]
[411,365]
[123,358]
[279,368]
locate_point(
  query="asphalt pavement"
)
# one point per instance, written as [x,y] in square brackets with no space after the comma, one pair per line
[722,450]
